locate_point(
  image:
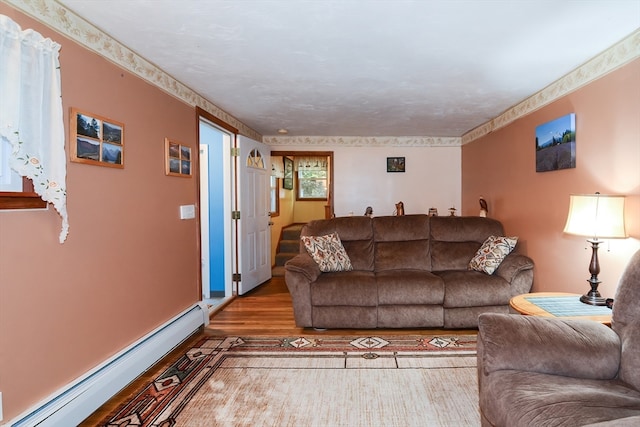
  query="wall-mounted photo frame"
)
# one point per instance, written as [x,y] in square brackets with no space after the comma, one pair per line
[556,144]
[96,140]
[178,161]
[287,181]
[395,164]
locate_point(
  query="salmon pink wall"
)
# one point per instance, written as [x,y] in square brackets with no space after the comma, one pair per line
[501,167]
[129,263]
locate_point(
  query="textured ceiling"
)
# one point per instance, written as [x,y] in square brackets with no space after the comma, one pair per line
[364,67]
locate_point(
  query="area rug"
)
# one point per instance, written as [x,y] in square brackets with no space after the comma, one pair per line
[313,381]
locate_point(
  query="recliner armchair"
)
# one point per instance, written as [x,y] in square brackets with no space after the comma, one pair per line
[538,371]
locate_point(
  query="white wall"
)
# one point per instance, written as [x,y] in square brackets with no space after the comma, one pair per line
[432,178]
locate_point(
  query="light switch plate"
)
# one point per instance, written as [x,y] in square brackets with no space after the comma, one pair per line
[187,211]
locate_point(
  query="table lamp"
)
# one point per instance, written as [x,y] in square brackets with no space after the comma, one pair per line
[598,217]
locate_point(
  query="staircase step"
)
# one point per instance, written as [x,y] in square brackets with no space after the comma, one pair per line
[283,257]
[292,232]
[289,246]
[277,271]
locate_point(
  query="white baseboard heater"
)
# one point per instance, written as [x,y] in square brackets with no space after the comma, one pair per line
[76,401]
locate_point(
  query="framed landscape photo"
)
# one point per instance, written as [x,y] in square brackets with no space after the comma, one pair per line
[287,181]
[556,144]
[96,140]
[395,164]
[177,159]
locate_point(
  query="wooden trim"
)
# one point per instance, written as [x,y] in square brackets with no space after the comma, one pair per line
[329,154]
[213,119]
[27,199]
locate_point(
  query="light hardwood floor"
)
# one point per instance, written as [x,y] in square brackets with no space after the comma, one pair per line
[265,311]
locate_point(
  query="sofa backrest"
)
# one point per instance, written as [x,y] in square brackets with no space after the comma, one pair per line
[409,241]
[355,232]
[401,242]
[455,240]
[626,321]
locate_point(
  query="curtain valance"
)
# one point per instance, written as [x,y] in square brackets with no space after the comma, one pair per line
[311,163]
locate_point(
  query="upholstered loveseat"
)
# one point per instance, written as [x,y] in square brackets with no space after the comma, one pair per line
[538,371]
[407,271]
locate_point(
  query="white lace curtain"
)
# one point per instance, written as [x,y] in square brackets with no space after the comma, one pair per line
[31,117]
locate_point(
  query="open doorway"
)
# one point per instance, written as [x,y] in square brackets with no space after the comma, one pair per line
[293,207]
[216,238]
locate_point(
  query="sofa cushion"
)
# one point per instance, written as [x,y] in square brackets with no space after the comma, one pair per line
[455,239]
[468,288]
[327,251]
[519,398]
[488,258]
[401,242]
[464,228]
[409,287]
[412,254]
[452,255]
[357,288]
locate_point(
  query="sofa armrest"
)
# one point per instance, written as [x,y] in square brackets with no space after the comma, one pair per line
[299,273]
[512,265]
[305,265]
[572,348]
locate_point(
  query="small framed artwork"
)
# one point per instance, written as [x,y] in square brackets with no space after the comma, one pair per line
[96,140]
[395,164]
[556,144]
[178,160]
[287,181]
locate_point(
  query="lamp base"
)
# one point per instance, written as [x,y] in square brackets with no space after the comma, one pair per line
[593,298]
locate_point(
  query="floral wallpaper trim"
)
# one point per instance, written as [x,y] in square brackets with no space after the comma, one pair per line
[618,55]
[71,25]
[364,141]
[65,21]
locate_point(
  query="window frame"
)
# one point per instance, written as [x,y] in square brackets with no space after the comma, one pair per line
[25,199]
[275,188]
[310,199]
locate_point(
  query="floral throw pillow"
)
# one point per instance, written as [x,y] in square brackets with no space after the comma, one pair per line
[488,258]
[327,251]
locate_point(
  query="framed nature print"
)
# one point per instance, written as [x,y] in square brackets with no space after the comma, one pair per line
[177,159]
[96,140]
[395,164]
[287,181]
[556,144]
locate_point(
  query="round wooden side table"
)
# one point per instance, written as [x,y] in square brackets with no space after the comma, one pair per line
[528,304]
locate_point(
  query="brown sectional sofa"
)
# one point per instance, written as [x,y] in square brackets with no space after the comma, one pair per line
[408,272]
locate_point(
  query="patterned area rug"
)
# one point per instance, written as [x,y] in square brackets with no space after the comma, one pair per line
[313,381]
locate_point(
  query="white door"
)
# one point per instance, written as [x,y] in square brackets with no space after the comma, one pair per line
[255,236]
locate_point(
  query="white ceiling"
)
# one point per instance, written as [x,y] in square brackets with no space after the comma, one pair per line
[364,67]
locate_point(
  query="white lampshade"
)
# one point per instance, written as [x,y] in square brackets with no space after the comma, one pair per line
[596,216]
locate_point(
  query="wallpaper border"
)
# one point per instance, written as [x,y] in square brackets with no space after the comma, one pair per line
[71,25]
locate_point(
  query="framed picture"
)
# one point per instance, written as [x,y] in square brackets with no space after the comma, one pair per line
[287,181]
[395,164]
[178,160]
[96,140]
[556,144]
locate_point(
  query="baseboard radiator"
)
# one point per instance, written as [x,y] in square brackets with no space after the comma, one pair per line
[76,401]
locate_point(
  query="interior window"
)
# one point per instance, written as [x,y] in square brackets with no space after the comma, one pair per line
[312,182]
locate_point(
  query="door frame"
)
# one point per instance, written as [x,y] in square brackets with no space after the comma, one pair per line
[329,154]
[201,114]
